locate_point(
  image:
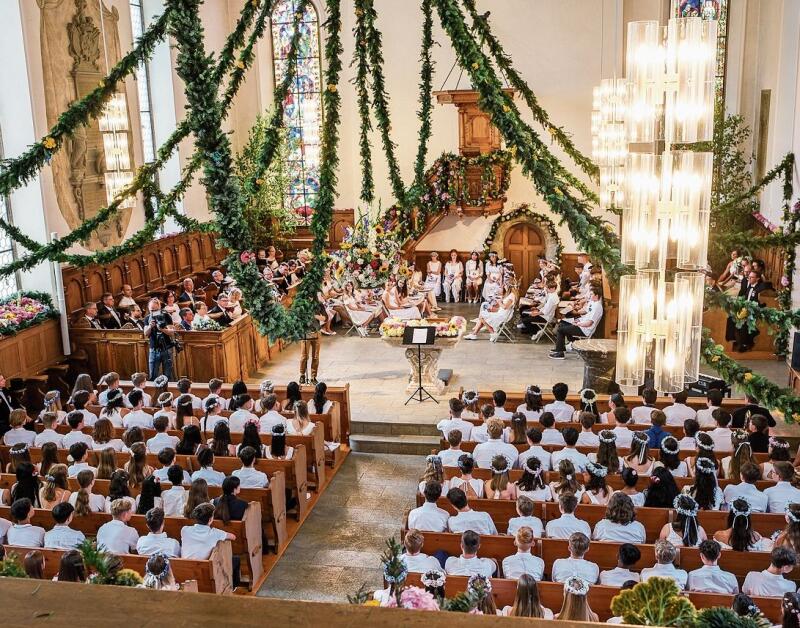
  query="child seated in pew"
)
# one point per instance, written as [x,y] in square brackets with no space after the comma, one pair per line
[629,481]
[174,498]
[639,458]
[111,381]
[164,403]
[790,536]
[228,507]
[721,434]
[758,431]
[277,449]
[61,536]
[433,471]
[27,485]
[18,434]
[103,436]
[84,500]
[669,457]
[414,559]
[771,582]
[576,601]
[499,400]
[466,518]
[500,486]
[690,430]
[531,484]
[166,457]
[184,386]
[243,413]
[534,438]
[569,452]
[514,434]
[616,400]
[137,467]
[620,522]
[790,607]
[451,455]
[212,407]
[627,556]
[523,562]
[200,539]
[606,455]
[215,392]
[575,565]
[117,536]
[656,433]
[704,446]
[301,424]
[78,455]
[532,406]
[150,496]
[429,517]
[113,408]
[158,574]
[744,606]
[778,452]
[587,438]
[784,492]
[71,568]
[710,578]
[132,435]
[319,403]
[184,412]
[662,490]
[249,476]
[205,458]
[106,463]
[526,601]
[469,564]
[138,381]
[52,405]
[684,531]
[641,414]
[472,487]
[197,494]
[740,535]
[666,553]
[479,434]
[161,439]
[19,454]
[22,533]
[705,489]
[33,563]
[567,524]
[191,441]
[252,438]
[678,411]
[54,489]
[622,417]
[597,491]
[221,444]
[567,481]
[562,411]
[49,457]
[49,434]
[270,416]
[119,488]
[550,435]
[75,435]
[750,473]
[525,518]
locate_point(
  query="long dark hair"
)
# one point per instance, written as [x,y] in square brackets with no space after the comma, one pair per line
[662,490]
[183,409]
[151,488]
[251,438]
[319,396]
[118,485]
[519,425]
[72,568]
[223,508]
[190,440]
[293,392]
[49,457]
[669,453]
[607,451]
[704,489]
[277,448]
[27,484]
[533,399]
[685,523]
[221,440]
[741,526]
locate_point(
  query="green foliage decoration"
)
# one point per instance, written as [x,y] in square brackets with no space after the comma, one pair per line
[656,602]
[524,210]
[361,82]
[11,567]
[719,617]
[425,95]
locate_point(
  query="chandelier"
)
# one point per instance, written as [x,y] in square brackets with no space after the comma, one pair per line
[114,129]
[666,99]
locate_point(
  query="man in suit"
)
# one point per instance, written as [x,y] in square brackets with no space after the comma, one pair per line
[188,295]
[220,281]
[753,285]
[134,317]
[220,312]
[740,418]
[90,316]
[187,316]
[8,403]
[108,315]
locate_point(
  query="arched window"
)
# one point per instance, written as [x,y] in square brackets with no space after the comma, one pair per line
[303,106]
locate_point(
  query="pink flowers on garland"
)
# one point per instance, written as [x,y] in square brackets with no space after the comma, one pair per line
[247,257]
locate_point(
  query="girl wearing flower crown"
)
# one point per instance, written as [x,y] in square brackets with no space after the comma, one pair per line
[588,404]
[778,452]
[740,535]
[532,484]
[742,453]
[480,587]
[704,445]
[470,399]
[527,602]
[790,537]
[639,458]
[532,406]
[669,457]
[434,472]
[472,487]
[606,455]
[158,574]
[500,486]
[597,491]
[52,403]
[516,432]
[567,481]
[576,601]
[684,531]
[790,605]
[705,490]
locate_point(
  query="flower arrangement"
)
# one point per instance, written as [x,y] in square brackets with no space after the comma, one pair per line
[206,324]
[414,598]
[369,253]
[393,327]
[23,310]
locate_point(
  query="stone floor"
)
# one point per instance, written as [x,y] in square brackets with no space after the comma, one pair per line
[339,545]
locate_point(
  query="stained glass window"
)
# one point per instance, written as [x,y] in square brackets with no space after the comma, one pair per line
[10,283]
[303,106]
[710,10]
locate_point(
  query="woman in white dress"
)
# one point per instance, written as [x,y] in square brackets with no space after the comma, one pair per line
[172,308]
[493,272]
[453,277]
[361,315]
[472,487]
[301,424]
[398,306]
[493,315]
[474,277]
[433,275]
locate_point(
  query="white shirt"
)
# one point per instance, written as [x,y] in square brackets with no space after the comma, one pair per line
[666,571]
[326,408]
[428,518]
[19,435]
[251,478]
[161,474]
[607,530]
[641,414]
[147,400]
[565,525]
[687,443]
[704,417]
[484,452]
[578,459]
[197,404]
[460,566]
[722,439]
[465,427]
[237,420]
[594,312]
[117,537]
[617,577]
[624,436]
[766,584]
[75,436]
[677,413]
[479,434]
[48,436]
[269,420]
[562,411]
[223,403]
[210,422]
[97,503]
[5,525]
[450,457]
[152,543]
[480,522]
[74,469]
[62,537]
[214,478]
[420,563]
[160,441]
[712,579]
[781,494]
[534,523]
[565,568]
[198,541]
[537,451]
[588,439]
[174,500]
[502,413]
[552,436]
[137,418]
[25,535]
[523,562]
[758,500]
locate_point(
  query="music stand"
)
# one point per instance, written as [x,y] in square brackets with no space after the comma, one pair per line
[419,337]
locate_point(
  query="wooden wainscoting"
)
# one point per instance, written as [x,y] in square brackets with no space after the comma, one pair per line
[32,350]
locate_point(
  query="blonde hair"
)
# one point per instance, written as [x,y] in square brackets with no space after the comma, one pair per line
[49,419]
[107,463]
[17,417]
[85,479]
[665,552]
[414,540]
[120,507]
[55,479]
[576,608]
[494,427]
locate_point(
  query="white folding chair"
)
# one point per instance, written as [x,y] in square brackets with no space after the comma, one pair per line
[506,329]
[548,330]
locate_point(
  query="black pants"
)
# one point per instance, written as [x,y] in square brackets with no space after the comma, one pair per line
[532,323]
[564,332]
[742,336]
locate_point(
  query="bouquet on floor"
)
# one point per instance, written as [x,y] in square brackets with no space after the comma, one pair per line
[369,253]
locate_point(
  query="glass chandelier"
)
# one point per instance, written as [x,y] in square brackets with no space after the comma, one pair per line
[667,98]
[609,144]
[114,129]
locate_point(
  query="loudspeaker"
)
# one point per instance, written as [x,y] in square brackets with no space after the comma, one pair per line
[796,352]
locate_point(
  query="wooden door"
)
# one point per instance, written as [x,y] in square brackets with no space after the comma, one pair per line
[522,246]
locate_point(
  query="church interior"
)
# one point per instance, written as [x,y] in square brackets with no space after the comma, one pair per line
[346,309]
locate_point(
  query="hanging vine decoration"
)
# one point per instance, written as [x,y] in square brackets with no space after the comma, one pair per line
[524,210]
[425,97]
[361,82]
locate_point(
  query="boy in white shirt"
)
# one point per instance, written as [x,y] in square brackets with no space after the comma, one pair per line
[466,518]
[569,452]
[157,540]
[468,564]
[494,446]
[771,582]
[523,561]
[244,414]
[17,418]
[79,452]
[79,401]
[499,400]
[138,380]
[111,380]
[161,440]
[166,457]
[451,455]
[575,565]
[622,416]
[710,578]
[215,390]
[61,536]
[534,438]
[526,518]
[49,434]
[415,560]
[664,567]
[690,428]
[117,536]
[249,476]
[678,412]
[184,385]
[628,555]
[587,438]
[22,532]
[783,492]
[550,435]
[174,499]
[750,474]
[721,435]
[200,539]
[705,417]
[75,421]
[137,417]
[271,417]
[567,524]
[562,411]
[455,422]
[479,433]
[641,414]
[429,517]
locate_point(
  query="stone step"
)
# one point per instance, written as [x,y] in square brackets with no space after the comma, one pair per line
[408,445]
[375,428]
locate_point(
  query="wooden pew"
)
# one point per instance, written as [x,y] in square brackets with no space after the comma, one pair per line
[675,430]
[247,531]
[213,575]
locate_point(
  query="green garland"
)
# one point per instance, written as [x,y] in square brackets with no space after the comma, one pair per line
[592,234]
[524,210]
[759,387]
[425,95]
[481,26]
[362,91]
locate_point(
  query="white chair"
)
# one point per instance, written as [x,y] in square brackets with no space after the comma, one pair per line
[506,329]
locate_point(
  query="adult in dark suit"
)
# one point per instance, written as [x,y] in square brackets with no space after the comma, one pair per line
[741,416]
[89,318]
[751,290]
[189,295]
[221,311]
[8,402]
[187,316]
[107,314]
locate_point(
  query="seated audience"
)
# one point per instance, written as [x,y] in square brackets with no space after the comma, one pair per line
[79,453]
[569,452]
[469,564]
[433,471]
[705,417]
[500,486]
[576,601]
[17,418]
[679,412]
[689,441]
[642,414]
[525,517]
[567,481]
[534,438]
[576,565]
[415,560]
[484,453]
[710,578]
[705,490]
[228,507]
[61,536]
[662,489]
[22,532]
[628,555]
[597,491]
[758,434]
[523,562]
[174,498]
[76,435]
[249,476]
[532,484]
[587,437]
[740,535]
[550,435]
[784,492]
[166,457]
[271,416]
[466,518]
[429,517]
[72,568]
[656,433]
[84,500]
[620,522]
[562,411]
[669,457]
[54,489]
[778,452]
[532,406]
[721,434]
[156,540]
[666,553]
[771,582]
[451,455]
[630,479]
[472,487]
[48,434]
[526,601]
[200,539]
[117,536]
[161,440]
[684,531]
[205,458]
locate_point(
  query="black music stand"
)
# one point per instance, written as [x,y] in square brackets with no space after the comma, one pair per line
[419,337]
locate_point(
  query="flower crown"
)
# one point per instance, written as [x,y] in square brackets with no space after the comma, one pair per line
[114,395]
[794,518]
[685,499]
[534,390]
[741,513]
[700,445]
[400,577]
[20,450]
[704,465]
[211,402]
[164,572]
[480,584]
[54,396]
[665,448]
[266,386]
[161,381]
[469,396]
[433,578]
[597,470]
[778,443]
[576,586]
[434,459]
[588,396]
[607,436]
[164,399]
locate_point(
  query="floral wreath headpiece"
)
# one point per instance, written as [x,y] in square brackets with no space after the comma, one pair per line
[433,578]
[576,586]
[266,386]
[704,465]
[164,399]
[480,584]
[161,381]
[607,436]
[469,396]
[538,471]
[665,448]
[794,518]
[778,443]
[164,572]
[597,470]
[21,450]
[54,396]
[700,445]
[534,390]
[741,513]
[685,499]
[434,459]
[114,395]
[588,396]
[400,577]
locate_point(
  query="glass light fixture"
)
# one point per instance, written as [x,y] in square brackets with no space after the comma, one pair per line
[114,128]
[609,144]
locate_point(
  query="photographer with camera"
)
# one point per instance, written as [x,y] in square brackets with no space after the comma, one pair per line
[159,331]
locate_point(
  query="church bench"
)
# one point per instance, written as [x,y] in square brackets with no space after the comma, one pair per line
[674,430]
[213,575]
[551,595]
[247,544]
